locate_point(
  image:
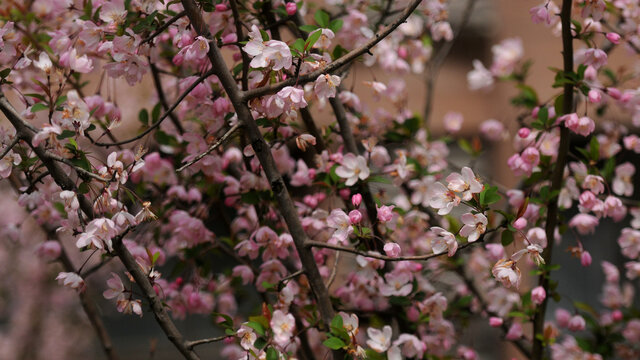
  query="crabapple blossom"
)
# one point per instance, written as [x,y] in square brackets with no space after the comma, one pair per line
[385,213]
[379,340]
[480,77]
[507,273]
[622,182]
[116,288]
[341,222]
[538,294]
[474,226]
[584,223]
[71,280]
[442,199]
[353,168]
[325,86]
[444,241]
[465,183]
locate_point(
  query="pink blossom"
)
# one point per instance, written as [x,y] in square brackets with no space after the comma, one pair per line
[474,226]
[520,223]
[480,77]
[584,223]
[585,258]
[379,340]
[291,8]
[49,250]
[244,272]
[355,216]
[465,183]
[356,199]
[622,182]
[629,242]
[353,168]
[282,325]
[540,14]
[71,280]
[562,317]
[392,249]
[506,56]
[325,86]
[441,30]
[341,222]
[116,288]
[515,331]
[385,213]
[506,272]
[444,241]
[591,57]
[576,323]
[594,183]
[396,284]
[453,122]
[493,130]
[538,294]
[495,321]
[442,199]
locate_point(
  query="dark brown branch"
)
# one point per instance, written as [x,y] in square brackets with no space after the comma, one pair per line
[163,99]
[338,63]
[9,147]
[164,116]
[63,180]
[194,343]
[372,255]
[556,178]
[262,150]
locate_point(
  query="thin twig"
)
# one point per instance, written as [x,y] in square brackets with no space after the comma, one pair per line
[374,255]
[163,27]
[338,63]
[9,147]
[64,181]
[165,115]
[211,148]
[155,74]
[194,343]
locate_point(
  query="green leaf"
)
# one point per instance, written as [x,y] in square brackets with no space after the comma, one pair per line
[298,45]
[272,354]
[594,148]
[4,73]
[66,134]
[334,343]
[83,188]
[259,329]
[308,28]
[39,107]
[155,113]
[558,104]
[322,18]
[312,39]
[265,36]
[61,100]
[489,196]
[336,25]
[143,117]
[507,237]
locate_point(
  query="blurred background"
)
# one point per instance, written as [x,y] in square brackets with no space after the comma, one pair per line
[38,317]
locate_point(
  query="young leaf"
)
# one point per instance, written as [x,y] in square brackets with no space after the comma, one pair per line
[322,18]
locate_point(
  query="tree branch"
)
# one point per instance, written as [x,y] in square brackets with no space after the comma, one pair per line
[556,179]
[63,180]
[164,116]
[338,63]
[262,150]
[163,27]
[215,145]
[194,343]
[9,147]
[163,100]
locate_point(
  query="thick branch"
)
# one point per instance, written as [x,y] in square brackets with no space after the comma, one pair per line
[63,180]
[262,150]
[338,63]
[556,180]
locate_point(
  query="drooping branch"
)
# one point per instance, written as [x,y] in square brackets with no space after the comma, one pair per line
[211,148]
[338,63]
[24,132]
[164,116]
[163,27]
[163,99]
[556,178]
[263,152]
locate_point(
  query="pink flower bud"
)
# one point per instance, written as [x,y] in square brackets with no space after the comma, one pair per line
[392,249]
[614,93]
[577,323]
[356,199]
[403,52]
[237,56]
[515,331]
[585,258]
[591,74]
[594,96]
[291,8]
[221,7]
[495,321]
[562,317]
[413,314]
[617,315]
[538,295]
[613,37]
[49,250]
[520,223]
[310,200]
[385,213]
[524,132]
[355,216]
[344,193]
[534,112]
